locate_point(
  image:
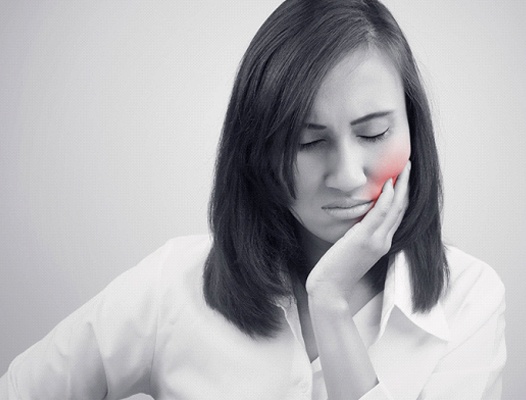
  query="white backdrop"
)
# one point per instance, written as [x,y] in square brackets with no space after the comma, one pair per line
[110,113]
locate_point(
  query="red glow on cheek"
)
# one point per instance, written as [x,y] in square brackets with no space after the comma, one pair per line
[391,165]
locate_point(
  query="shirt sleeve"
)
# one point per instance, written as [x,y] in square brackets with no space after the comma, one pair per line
[104,350]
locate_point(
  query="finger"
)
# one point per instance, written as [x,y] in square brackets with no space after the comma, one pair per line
[399,204]
[404,191]
[374,218]
[400,217]
[402,184]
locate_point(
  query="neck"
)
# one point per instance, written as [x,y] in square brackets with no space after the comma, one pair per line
[313,248]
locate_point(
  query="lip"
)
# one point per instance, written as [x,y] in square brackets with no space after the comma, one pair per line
[346,203]
[348,209]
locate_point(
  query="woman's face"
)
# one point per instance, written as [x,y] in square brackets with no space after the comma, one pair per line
[355,138]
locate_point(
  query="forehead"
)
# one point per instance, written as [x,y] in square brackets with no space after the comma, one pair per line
[362,82]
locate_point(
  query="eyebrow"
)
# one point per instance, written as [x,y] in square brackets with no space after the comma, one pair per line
[357,121]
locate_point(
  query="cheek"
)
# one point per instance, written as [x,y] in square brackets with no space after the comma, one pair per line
[389,164]
[306,181]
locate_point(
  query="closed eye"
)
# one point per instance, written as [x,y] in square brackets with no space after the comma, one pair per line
[375,138]
[311,145]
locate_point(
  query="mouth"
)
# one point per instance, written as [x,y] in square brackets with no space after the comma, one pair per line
[348,210]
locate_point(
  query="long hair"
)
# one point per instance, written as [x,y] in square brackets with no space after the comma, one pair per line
[255,243]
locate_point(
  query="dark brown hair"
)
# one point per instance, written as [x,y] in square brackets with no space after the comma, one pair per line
[254,239]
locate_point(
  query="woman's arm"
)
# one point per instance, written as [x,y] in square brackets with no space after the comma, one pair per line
[347,369]
[103,350]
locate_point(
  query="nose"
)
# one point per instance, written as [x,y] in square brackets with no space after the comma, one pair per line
[347,170]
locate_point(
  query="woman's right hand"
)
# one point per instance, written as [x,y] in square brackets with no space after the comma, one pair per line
[349,259]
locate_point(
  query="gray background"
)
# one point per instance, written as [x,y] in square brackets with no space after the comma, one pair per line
[110,112]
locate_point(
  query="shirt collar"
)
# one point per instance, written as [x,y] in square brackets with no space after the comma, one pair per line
[398,292]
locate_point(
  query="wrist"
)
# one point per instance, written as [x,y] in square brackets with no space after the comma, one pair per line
[322,289]
[328,300]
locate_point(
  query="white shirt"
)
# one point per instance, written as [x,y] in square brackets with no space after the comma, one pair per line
[151,331]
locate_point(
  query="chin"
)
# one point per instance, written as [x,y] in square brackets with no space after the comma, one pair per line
[323,234]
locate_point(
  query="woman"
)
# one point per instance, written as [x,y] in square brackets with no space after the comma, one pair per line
[326,276]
